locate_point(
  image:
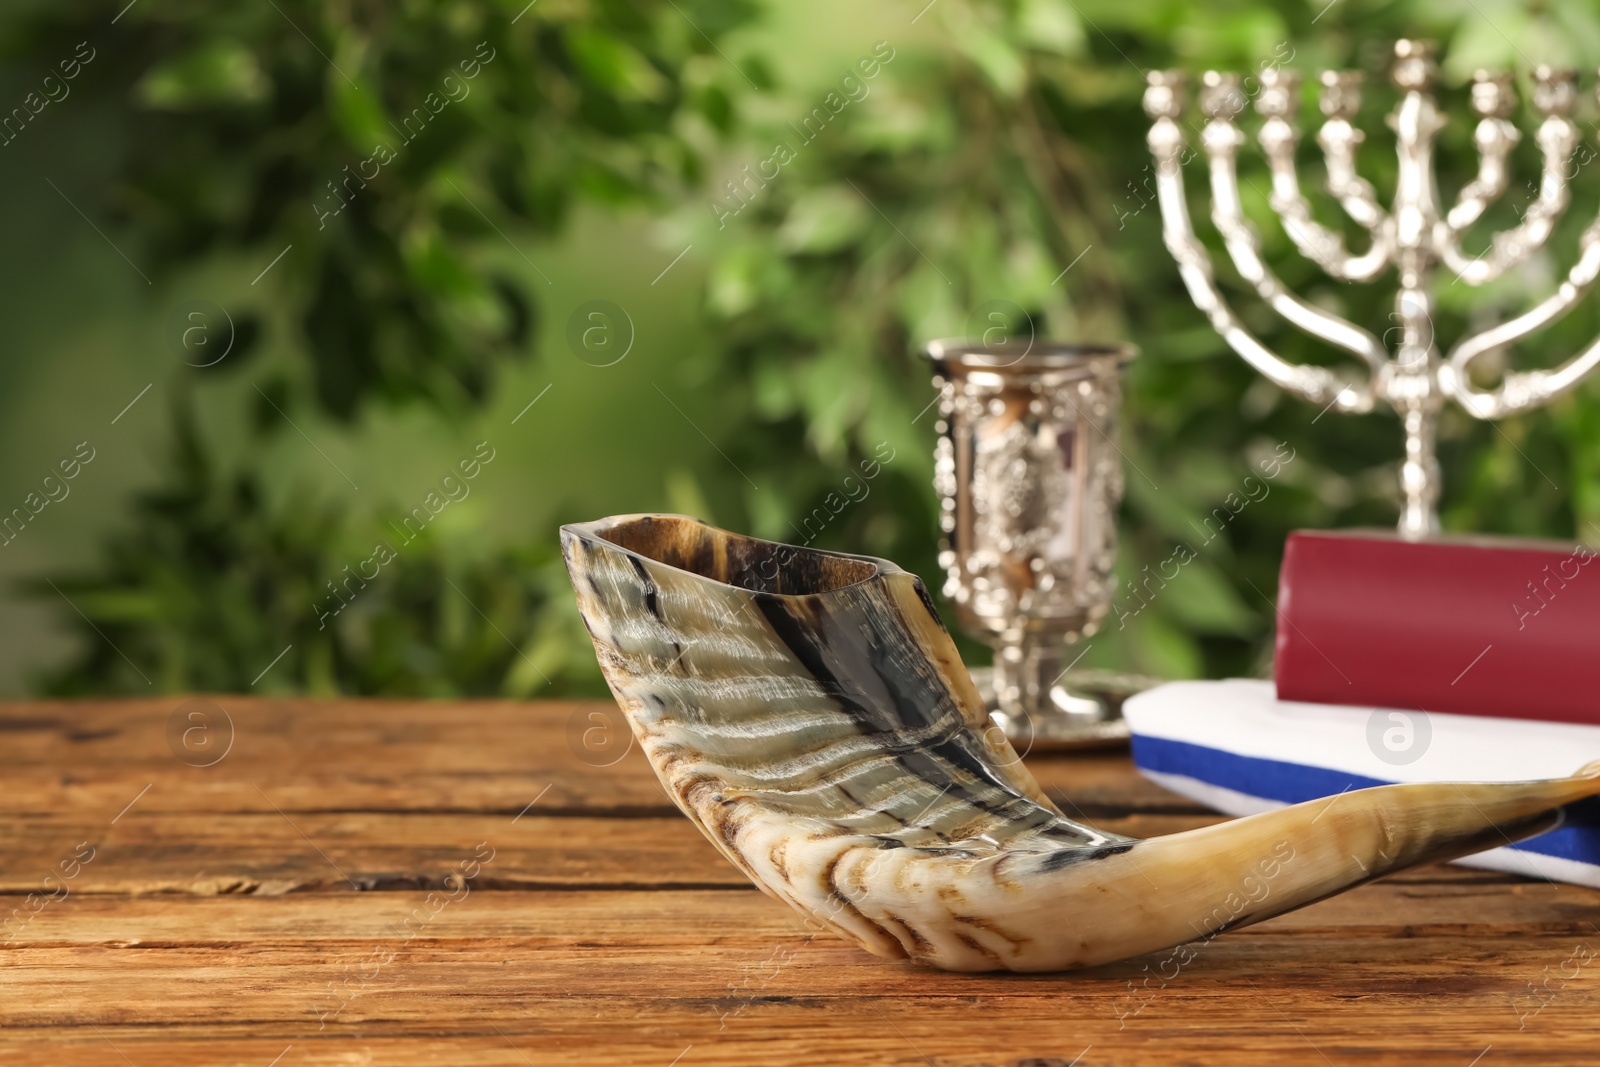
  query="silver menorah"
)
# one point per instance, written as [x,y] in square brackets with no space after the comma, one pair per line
[1412,235]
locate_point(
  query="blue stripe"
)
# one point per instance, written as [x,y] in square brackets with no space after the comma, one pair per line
[1295,783]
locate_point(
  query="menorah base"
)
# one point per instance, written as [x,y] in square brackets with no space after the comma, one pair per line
[1082,711]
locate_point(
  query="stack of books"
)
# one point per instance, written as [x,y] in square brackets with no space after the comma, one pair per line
[1461,659]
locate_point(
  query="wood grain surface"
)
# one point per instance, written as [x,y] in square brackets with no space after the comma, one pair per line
[272,883]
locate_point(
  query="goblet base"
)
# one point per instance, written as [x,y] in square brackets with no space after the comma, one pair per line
[1084,711]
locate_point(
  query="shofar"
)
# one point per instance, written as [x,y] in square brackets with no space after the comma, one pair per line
[809,712]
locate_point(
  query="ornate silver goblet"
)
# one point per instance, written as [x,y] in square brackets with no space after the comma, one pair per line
[1029,477]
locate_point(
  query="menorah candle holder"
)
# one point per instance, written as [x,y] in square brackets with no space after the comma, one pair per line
[1412,235]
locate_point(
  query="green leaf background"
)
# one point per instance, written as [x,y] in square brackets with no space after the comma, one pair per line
[994,153]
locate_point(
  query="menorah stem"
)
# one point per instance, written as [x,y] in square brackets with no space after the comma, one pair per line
[1411,381]
[1411,386]
[1419,474]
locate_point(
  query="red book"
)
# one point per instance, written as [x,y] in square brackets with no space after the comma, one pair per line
[1470,625]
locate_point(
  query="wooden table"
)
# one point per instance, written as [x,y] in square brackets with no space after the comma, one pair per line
[358,882]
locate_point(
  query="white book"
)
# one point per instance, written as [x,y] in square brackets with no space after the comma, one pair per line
[1234,746]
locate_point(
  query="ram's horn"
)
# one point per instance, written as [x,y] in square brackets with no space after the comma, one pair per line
[808,711]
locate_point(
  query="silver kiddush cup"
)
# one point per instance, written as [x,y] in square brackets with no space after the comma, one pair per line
[1029,477]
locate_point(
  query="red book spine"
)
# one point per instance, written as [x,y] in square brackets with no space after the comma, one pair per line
[1469,625]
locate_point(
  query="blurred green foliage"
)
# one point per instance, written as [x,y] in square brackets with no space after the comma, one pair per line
[995,152]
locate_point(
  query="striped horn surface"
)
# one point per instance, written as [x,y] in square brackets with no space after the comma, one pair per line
[808,711]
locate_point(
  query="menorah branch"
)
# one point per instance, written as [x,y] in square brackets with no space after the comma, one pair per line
[1222,140]
[1339,138]
[1315,384]
[1495,137]
[1279,138]
[1558,137]
[1521,391]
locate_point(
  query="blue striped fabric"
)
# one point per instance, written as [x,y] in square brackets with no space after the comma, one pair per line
[1293,783]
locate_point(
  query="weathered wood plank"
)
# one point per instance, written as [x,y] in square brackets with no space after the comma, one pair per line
[679,918]
[637,977]
[371,755]
[851,1033]
[273,852]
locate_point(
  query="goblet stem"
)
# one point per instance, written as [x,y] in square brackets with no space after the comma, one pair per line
[1032,701]
[1028,672]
